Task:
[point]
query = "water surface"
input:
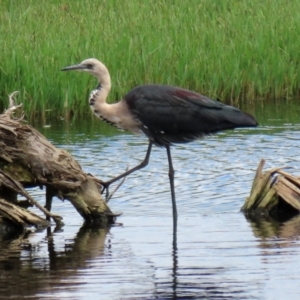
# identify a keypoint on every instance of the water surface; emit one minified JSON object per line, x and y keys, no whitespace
{"x":219,"y":254}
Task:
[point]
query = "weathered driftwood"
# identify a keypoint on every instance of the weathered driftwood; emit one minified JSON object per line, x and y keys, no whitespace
{"x":27,"y":159}
{"x":273,"y":190}
{"x":20,"y":216}
{"x":8,"y":183}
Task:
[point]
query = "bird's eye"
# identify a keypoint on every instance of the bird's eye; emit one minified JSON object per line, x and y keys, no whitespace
{"x":89,"y":66}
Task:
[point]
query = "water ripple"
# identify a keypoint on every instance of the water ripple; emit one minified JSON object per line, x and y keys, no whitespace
{"x":219,"y":254}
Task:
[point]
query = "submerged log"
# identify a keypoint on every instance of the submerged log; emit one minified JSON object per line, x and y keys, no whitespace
{"x":28,"y":159}
{"x":273,"y":192}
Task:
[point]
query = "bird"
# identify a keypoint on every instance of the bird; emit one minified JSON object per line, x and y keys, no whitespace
{"x":166,"y":114}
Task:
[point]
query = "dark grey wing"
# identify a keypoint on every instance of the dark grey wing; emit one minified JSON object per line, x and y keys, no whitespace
{"x":174,"y":115}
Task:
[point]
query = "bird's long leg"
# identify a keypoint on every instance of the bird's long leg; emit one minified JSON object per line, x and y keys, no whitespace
{"x":171,"y":176}
{"x":49,"y":196}
{"x":143,"y":164}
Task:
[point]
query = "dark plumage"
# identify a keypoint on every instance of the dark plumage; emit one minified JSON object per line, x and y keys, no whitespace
{"x":171,"y":115}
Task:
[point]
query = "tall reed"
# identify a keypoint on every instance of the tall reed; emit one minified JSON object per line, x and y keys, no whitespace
{"x":233,"y":50}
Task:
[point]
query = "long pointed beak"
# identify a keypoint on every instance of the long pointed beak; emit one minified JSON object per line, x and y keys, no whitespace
{"x":74,"y":67}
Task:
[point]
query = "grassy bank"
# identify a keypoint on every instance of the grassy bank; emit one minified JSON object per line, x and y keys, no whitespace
{"x":233,"y":50}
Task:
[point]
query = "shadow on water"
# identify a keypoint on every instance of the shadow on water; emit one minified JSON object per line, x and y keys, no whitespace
{"x":267,"y":228}
{"x":36,"y":269}
{"x":41,"y":272}
{"x":205,"y":287}
{"x":271,"y":234}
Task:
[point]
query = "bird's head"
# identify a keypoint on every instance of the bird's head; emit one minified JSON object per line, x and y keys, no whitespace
{"x":92,"y":66}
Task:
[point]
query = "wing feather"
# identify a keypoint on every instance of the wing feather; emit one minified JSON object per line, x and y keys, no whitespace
{"x":178,"y":115}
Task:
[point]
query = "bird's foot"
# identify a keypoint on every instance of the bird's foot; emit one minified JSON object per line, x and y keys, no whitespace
{"x":105,"y":188}
{"x":106,"y":185}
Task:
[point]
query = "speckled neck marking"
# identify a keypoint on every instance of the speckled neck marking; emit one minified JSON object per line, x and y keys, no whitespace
{"x":93,"y":95}
{"x":92,"y":99}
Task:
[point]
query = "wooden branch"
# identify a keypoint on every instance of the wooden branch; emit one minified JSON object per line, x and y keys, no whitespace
{"x":20,"y":216}
{"x":8,"y":182}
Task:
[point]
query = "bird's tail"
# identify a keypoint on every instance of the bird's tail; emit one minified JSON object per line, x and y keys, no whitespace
{"x":245,"y":120}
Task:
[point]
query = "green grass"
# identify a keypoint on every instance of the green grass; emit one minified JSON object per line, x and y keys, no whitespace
{"x":235,"y":50}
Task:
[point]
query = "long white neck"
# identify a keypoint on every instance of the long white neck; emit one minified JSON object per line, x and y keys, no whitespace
{"x":100,"y":94}
{"x":97,"y":99}
{"x":116,"y":114}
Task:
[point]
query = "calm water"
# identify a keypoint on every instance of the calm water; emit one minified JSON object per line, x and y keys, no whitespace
{"x":219,"y":254}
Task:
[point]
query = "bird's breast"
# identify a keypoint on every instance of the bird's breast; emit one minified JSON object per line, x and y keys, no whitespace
{"x":116,"y":114}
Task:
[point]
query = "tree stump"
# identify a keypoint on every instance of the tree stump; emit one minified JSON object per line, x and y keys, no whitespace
{"x":28,"y":159}
{"x":274,"y":192}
